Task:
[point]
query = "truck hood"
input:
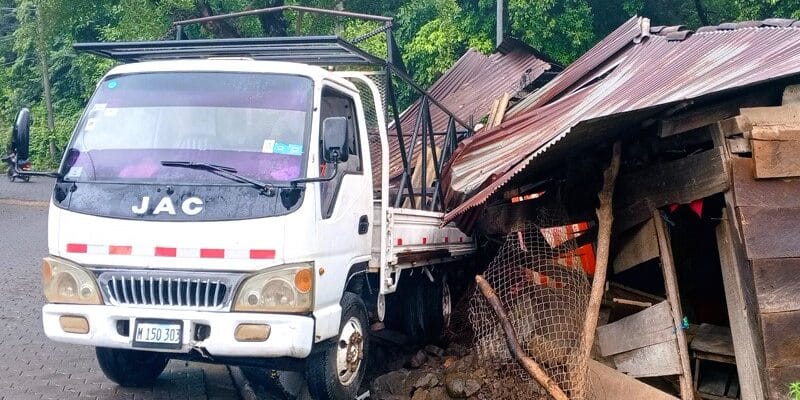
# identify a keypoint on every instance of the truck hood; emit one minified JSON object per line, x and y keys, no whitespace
{"x":238,"y":245}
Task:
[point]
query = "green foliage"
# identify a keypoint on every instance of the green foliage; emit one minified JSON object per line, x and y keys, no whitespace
{"x":432,"y":35}
{"x":794,"y":390}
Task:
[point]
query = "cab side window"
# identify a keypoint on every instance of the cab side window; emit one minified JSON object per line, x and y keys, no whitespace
{"x":337,"y":104}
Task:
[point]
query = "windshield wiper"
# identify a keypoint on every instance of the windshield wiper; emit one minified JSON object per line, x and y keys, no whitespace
{"x":225,"y":172}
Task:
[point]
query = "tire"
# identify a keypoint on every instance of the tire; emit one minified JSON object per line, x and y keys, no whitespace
{"x":131,"y":368}
{"x":25,"y":179}
{"x":427,"y":307}
{"x":327,"y":372}
{"x":10,"y":174}
{"x":284,"y":385}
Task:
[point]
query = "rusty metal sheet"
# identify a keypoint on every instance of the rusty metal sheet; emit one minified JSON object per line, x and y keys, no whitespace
{"x":646,"y":75}
{"x":468,"y":89}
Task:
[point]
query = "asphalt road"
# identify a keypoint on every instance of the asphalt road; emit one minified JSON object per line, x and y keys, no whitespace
{"x":33,"y":367}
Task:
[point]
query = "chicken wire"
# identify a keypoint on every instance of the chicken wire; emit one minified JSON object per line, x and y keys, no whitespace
{"x":541,"y":282}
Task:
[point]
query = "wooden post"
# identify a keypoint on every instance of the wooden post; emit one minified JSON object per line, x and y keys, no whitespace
{"x":531,"y":367}
{"x":674,"y":299}
{"x":605,"y":220}
{"x":737,"y":278}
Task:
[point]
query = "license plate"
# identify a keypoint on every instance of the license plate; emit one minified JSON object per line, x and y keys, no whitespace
{"x":157,"y":333}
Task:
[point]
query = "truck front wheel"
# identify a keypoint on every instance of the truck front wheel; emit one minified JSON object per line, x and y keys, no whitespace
{"x":131,"y":368}
{"x":335,"y":371}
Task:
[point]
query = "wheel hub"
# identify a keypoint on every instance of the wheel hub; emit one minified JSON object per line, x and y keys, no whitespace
{"x":350,"y":351}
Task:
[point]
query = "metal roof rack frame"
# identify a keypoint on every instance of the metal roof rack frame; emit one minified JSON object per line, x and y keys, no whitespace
{"x":321,"y":51}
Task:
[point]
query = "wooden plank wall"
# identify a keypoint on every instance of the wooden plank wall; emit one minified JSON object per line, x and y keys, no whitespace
{"x":768,"y":211}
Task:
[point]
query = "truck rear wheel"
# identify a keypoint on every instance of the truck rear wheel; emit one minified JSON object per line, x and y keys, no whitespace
{"x":335,"y":372}
{"x":131,"y":368}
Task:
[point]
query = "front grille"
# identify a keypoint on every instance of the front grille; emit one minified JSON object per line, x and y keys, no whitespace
{"x":182,"y":290}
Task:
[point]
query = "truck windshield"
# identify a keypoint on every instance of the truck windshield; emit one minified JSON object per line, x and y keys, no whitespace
{"x":256,"y":123}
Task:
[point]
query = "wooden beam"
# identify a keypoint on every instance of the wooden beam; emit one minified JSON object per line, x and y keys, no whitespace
{"x":791,"y":94}
{"x":680,"y":181}
{"x":774,"y":132}
{"x":674,"y":299}
{"x":781,"y":338}
{"x":748,"y":191}
{"x":770,"y":232}
{"x":776,"y":159}
{"x":650,"y":326}
{"x":779,"y":380}
{"x":777,"y":283}
{"x":781,"y":115}
{"x":742,"y":310}
{"x":638,"y":245}
{"x":660,"y":359}
{"x":609,"y":384}
{"x":707,"y":115}
{"x":739,"y":145}
{"x":737,"y":125}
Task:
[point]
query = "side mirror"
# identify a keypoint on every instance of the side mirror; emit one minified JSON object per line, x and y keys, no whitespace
{"x":20,"y":141}
{"x":335,"y":139}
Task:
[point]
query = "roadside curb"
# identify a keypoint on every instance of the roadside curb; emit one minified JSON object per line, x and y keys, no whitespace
{"x":246,"y":391}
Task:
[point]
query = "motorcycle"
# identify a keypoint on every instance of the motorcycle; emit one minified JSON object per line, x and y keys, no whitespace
{"x":15,"y":165}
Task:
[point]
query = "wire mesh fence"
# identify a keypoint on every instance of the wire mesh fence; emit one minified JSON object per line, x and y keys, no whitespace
{"x":539,"y":275}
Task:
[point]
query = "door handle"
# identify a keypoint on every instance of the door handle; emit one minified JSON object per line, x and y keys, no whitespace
{"x":363,"y":225}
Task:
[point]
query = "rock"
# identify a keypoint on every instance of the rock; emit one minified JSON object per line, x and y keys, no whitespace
{"x":427,"y":381}
{"x":418,"y":359}
{"x":390,"y":384}
{"x":455,"y":384}
{"x":421,"y":394}
{"x":434,"y":350}
{"x":471,"y":387}
{"x":438,"y":393}
{"x":448,"y":362}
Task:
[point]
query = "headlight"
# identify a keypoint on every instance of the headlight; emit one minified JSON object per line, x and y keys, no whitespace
{"x":284,"y":289}
{"x":65,"y":282}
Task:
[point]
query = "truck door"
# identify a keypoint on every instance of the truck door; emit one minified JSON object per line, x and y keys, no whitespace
{"x":345,"y":203}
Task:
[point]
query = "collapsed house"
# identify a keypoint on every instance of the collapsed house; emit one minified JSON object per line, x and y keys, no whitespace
{"x":702,"y":296}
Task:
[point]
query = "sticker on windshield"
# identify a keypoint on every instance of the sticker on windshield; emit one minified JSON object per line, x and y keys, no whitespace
{"x":288,"y":149}
{"x":74,"y":172}
{"x":269,"y":146}
{"x":112,"y":84}
{"x":91,"y":123}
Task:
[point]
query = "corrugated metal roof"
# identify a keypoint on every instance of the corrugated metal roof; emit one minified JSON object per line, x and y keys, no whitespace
{"x":647,"y":73}
{"x":468,"y":89}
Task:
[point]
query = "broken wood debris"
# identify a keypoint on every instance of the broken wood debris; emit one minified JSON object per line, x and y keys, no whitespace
{"x":530,"y":366}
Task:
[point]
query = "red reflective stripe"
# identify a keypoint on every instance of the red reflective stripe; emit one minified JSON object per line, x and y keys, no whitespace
{"x":262,"y":254}
{"x":166,"y":252}
{"x":212,"y":253}
{"x":424,"y":240}
{"x":120,"y":250}
{"x":461,"y":239}
{"x":76,"y":248}
{"x":446,"y":239}
{"x":399,"y":241}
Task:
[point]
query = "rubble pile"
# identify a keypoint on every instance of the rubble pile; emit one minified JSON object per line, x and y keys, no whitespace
{"x":434,"y":373}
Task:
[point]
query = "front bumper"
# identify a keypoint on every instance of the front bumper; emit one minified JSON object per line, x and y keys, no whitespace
{"x":291,"y":335}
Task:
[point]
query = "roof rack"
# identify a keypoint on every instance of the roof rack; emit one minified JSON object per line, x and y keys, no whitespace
{"x":315,"y":50}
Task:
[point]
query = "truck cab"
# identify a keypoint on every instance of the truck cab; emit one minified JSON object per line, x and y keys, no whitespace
{"x":154,"y":241}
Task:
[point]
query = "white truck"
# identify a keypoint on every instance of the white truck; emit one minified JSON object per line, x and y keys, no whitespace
{"x":219,"y":207}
